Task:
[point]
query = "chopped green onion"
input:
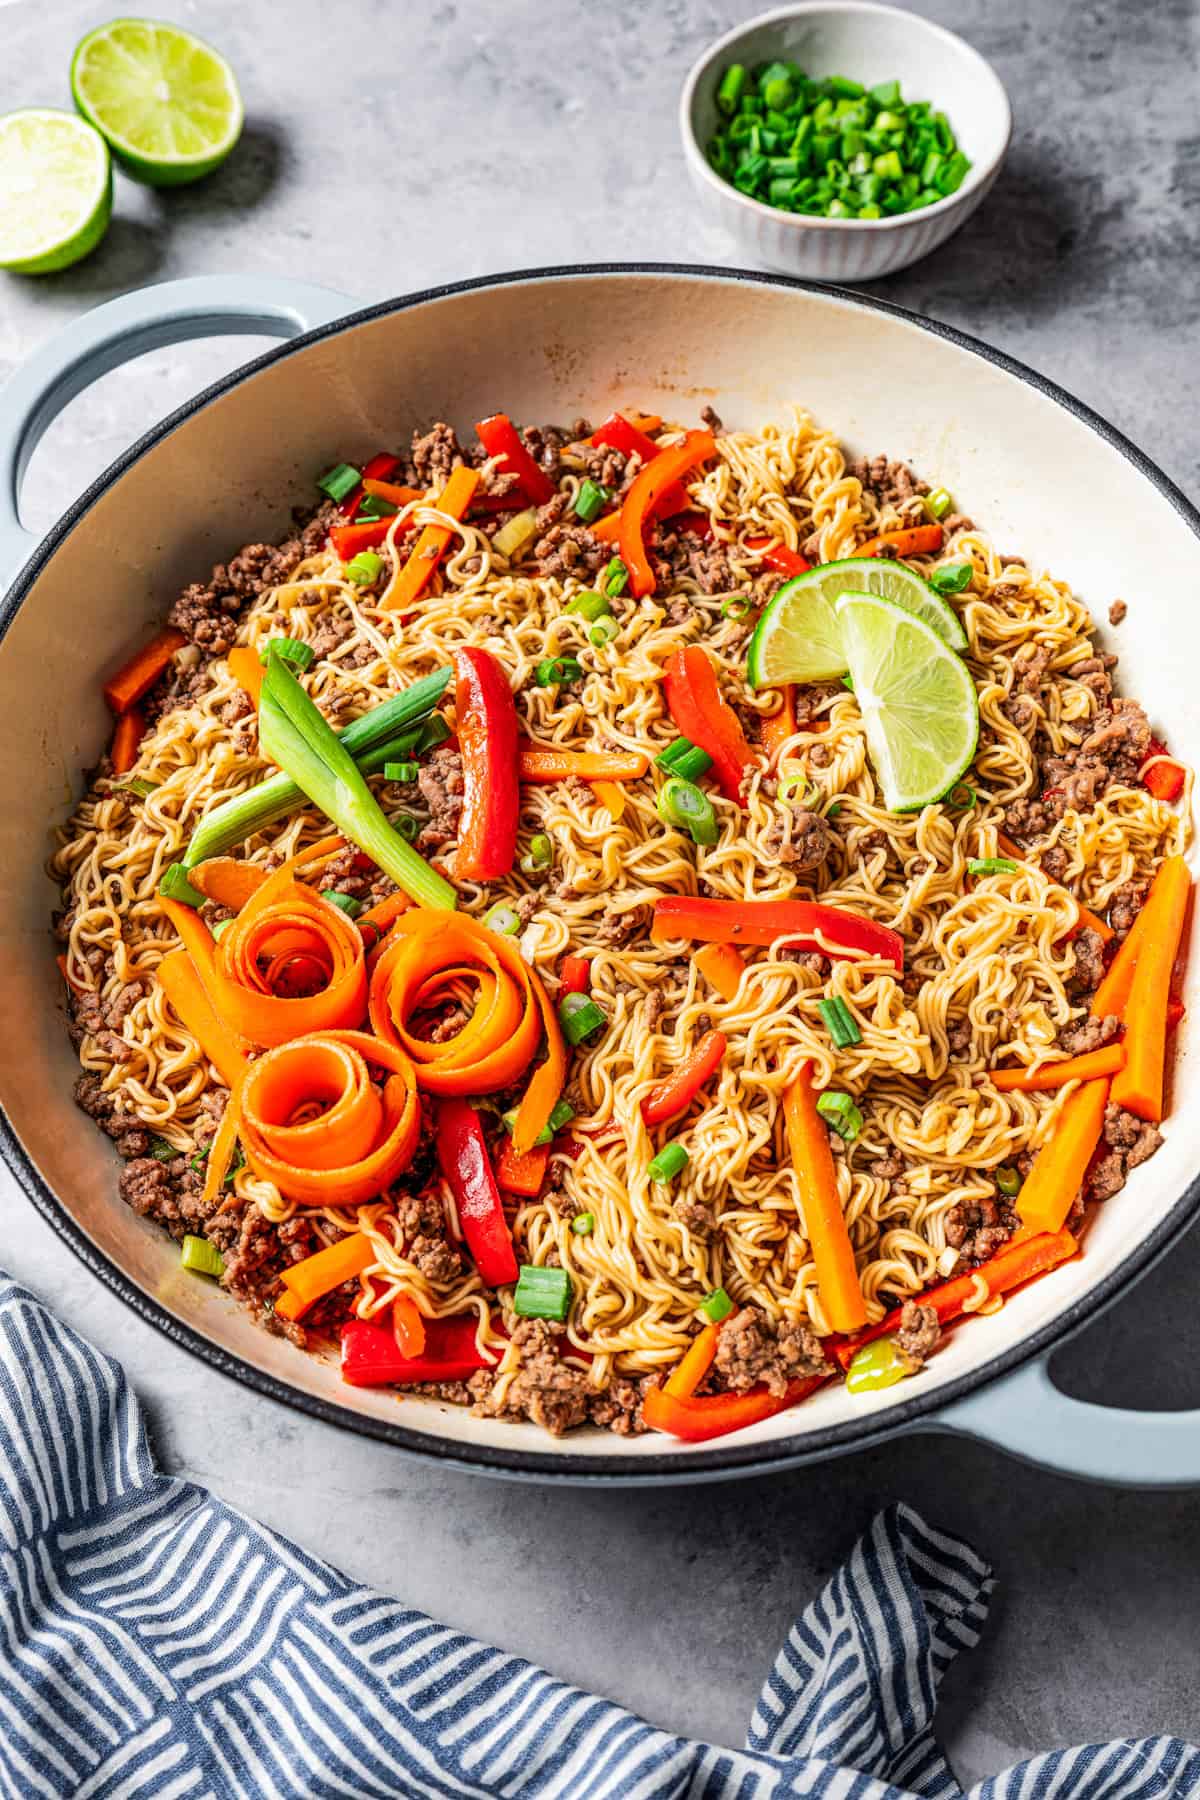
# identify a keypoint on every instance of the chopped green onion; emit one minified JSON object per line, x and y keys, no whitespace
{"x":372,"y":508}
{"x":364,"y":568}
{"x":886,"y":94}
{"x":991,"y":865}
{"x":292,"y":650}
{"x":589,"y":603}
{"x":294,"y":734}
{"x":839,"y":1110}
{"x":716,"y":1306}
{"x":201,"y":1257}
{"x":135,"y":785}
{"x":688,"y":808}
{"x":953,"y":578}
{"x":730,"y":89}
{"x":516,"y":533}
{"x":938,"y":504}
{"x":685,"y":760}
{"x":671,"y":1161}
{"x":831,"y":812}
{"x":848,"y":682}
{"x":562,"y":1115}
{"x":542,"y":1293}
{"x":798,"y":790}
{"x":603,"y":631}
{"x":736,"y":607}
{"x":539,"y":855}
{"x":840,"y":1022}
{"x":1008,"y":1180}
{"x":340,"y":481}
{"x":583,"y":1224}
{"x":591,"y":500}
{"x":555,"y":669}
{"x":408,"y":827}
{"x":579,"y":1016}
{"x":348,"y":904}
{"x":877,"y":1365}
{"x":176,"y":886}
{"x":162,"y":1151}
{"x":962,"y":796}
{"x":615,"y":578}
{"x":221,"y":927}
{"x":677,"y":749}
{"x":404,"y":772}
{"x":503,"y":919}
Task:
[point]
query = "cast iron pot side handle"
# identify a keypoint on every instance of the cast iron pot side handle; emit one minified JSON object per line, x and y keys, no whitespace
{"x":1027,"y":1416}
{"x":149,"y":318}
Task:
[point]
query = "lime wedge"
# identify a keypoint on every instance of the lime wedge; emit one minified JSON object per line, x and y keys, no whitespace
{"x":918,"y":702}
{"x":55,"y":190}
{"x":798,"y":639}
{"x":167,"y":103}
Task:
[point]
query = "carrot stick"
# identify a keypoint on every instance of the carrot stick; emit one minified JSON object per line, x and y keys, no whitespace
{"x":306,"y":1281}
{"x":694,"y":1364}
{"x":612,"y":795}
{"x":1105,"y":1061}
{"x":832,"y":1252}
{"x":408,"y":1322}
{"x":781,"y":725}
{"x":523,"y":1174}
{"x":1062,"y":1162}
{"x":1139,"y":1085}
{"x":1092,"y":921}
{"x":911,"y":540}
{"x":183,"y":987}
{"x":377,"y":921}
{"x":722,"y":966}
{"x":399,"y":496}
{"x":142,"y":670}
{"x":247,"y":670}
{"x":410,"y":582}
{"x":541,"y":763}
{"x":607,"y":528}
{"x":220,"y":1154}
{"x":1113,"y":992}
{"x":131,"y":729}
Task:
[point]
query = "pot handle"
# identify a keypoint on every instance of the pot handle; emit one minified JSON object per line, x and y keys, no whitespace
{"x":100,"y":340}
{"x":1027,"y":1416}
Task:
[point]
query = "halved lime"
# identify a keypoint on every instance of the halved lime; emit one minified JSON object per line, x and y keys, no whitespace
{"x":55,"y":190}
{"x":797,"y":638}
{"x":918,"y":702}
{"x":167,"y":102}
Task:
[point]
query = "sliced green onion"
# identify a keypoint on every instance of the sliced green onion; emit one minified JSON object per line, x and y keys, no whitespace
{"x":688,"y":808}
{"x":736,"y":607}
{"x":831,"y":812}
{"x":364,"y":568}
{"x":348,"y":904}
{"x":603,"y":631}
{"x":589,"y":603}
{"x":135,"y":785}
{"x":292,"y":650}
{"x":201,"y":1257}
{"x":671,"y":1161}
{"x":591,"y":500}
{"x":683,"y":758}
{"x":730,"y":89}
{"x":838,"y":1109}
{"x":434,"y":731}
{"x":583,"y":1224}
{"x":716,"y":1306}
{"x":848,"y":682}
{"x":562,"y":1115}
{"x":579,"y":1016}
{"x":542,"y":1293}
{"x":340,"y":481}
{"x":877,"y":1365}
{"x":516,"y":533}
{"x":991,"y":865}
{"x":162,"y":1151}
{"x":555,"y":669}
{"x":840,"y":1022}
{"x":221,"y":927}
{"x":798,"y":790}
{"x":294,"y":734}
{"x":1008,"y":1180}
{"x":938,"y":503}
{"x":176,"y":886}
{"x":962,"y":796}
{"x":615,"y":578}
{"x":372,"y":508}
{"x":539,"y":855}
{"x":404,"y":772}
{"x":953,"y":578}
{"x":503,"y":919}
{"x":408,"y":826}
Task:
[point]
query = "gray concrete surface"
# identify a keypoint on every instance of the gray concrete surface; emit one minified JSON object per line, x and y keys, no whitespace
{"x":552,"y":130}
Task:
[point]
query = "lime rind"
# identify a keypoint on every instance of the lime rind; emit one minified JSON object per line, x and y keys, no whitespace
{"x":919,"y":706}
{"x":166,"y":102}
{"x":55,"y":190}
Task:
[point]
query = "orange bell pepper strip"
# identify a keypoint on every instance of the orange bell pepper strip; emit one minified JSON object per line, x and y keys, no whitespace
{"x":671,"y":1098}
{"x":247,"y":669}
{"x":314,"y":1123}
{"x":1138,"y":1087}
{"x":410,"y":582}
{"x":910,"y":540}
{"x":716,"y":1415}
{"x":317,"y":1275}
{"x":779,"y":726}
{"x":408,"y":1323}
{"x":722,"y":966}
{"x":523,"y":1174}
{"x":648,"y":488}
{"x":123,"y":751}
{"x":838,"y":1284}
{"x":1108,"y":1060}
{"x":143,"y":669}
{"x":543,"y":764}
{"x":610,"y":794}
{"x":694,"y":1364}
{"x":179,"y":981}
{"x":1060,"y":1166}
{"x":399,"y":497}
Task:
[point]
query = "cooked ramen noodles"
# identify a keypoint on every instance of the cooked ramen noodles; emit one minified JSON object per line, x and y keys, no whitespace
{"x":501,"y":961}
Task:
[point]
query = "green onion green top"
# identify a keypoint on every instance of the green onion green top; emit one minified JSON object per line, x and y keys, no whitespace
{"x":292,"y":650}
{"x":671,"y":1161}
{"x":579,"y":1016}
{"x":716,"y":1306}
{"x":991,"y":865}
{"x":346,"y":902}
{"x":542,"y":1293}
{"x":339,"y":481}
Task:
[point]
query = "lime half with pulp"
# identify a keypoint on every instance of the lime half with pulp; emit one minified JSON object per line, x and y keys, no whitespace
{"x":167,"y":103}
{"x":798,"y":638}
{"x":55,"y":190}
{"x":918,"y":702}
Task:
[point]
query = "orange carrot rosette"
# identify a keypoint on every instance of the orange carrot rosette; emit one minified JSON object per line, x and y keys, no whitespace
{"x":424,"y":955}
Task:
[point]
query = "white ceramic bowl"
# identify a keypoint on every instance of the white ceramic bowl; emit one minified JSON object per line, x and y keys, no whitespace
{"x":869,"y":43}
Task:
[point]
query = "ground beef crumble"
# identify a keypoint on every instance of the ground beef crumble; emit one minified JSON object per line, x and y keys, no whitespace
{"x":919,"y":1333}
{"x":806,"y":845}
{"x":890,"y":483}
{"x":1126,"y":1141}
{"x":978,"y":1228}
{"x":207,"y":612}
{"x":753,"y":1348}
{"x":546,"y":1390}
{"x":441,"y":783}
{"x":1083,"y":1035}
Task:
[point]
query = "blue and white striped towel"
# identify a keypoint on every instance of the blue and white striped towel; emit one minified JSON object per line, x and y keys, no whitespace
{"x":126,"y":1672}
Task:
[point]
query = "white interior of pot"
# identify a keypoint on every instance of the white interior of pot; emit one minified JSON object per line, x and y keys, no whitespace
{"x":1038,"y":478}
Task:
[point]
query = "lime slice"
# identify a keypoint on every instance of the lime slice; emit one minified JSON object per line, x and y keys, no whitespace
{"x":797,"y":638}
{"x":55,"y":190}
{"x":918,"y":702}
{"x":167,"y":103}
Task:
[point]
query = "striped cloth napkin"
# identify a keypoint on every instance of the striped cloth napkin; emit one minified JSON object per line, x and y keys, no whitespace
{"x":156,"y":1643}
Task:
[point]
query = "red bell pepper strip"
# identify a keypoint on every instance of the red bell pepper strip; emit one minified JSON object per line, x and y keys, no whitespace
{"x":909,"y":540}
{"x":716,"y":1415}
{"x":646,"y":494}
{"x":778,"y":556}
{"x":617,"y":433}
{"x":844,"y":934}
{"x":348,"y":540}
{"x":464,"y":1161}
{"x":371,"y":1357}
{"x":487,"y":740}
{"x":524,"y":1174}
{"x":696,"y":524}
{"x":379,"y":468}
{"x":1163,"y":779}
{"x":498,"y":435}
{"x":575,"y":975}
{"x":694,"y":702}
{"x":670,"y":1098}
